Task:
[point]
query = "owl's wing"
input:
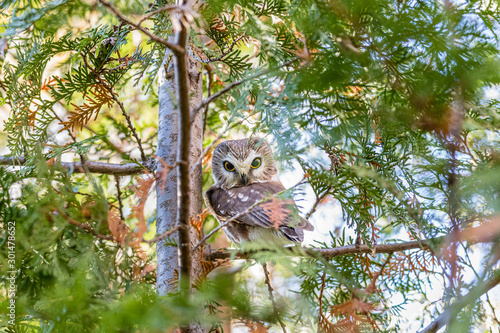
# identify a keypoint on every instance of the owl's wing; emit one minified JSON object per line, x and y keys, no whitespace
{"x":227,"y":203}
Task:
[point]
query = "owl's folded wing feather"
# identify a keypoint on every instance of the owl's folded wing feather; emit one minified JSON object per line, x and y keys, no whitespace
{"x":278,"y":213}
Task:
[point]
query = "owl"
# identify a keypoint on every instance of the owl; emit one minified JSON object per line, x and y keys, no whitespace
{"x":244,"y":172}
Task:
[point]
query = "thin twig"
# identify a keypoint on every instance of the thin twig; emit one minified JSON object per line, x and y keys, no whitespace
{"x":175,"y":48}
{"x":119,"y":197}
{"x":240,"y":214}
{"x":167,"y":8}
{"x":379,"y":273}
{"x":235,"y":84}
{"x":271,"y":296}
{"x":224,"y":53}
{"x":93,"y":167}
{"x":451,"y":312}
{"x":320,"y":299}
{"x":493,"y":311}
{"x":318,"y":201}
{"x":108,"y":87}
{"x":88,"y":229}
{"x":105,"y":139}
{"x":162,"y":236}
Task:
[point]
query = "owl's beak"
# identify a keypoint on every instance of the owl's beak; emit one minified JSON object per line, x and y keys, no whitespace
{"x":244,"y":179}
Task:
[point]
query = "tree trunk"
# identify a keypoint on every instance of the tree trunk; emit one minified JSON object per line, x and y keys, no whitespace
{"x":166,"y":189}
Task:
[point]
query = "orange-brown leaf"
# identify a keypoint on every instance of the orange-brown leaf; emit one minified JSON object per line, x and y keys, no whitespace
{"x":117,"y":228}
{"x":197,"y":221}
{"x":161,"y":176}
{"x":141,"y":190}
{"x":48,"y":83}
{"x":98,"y":97}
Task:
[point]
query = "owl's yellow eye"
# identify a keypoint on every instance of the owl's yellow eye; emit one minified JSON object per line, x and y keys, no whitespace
{"x":228,"y":166}
{"x":256,"y":163}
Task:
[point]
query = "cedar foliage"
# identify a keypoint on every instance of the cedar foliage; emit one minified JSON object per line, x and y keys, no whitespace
{"x":385,"y":110}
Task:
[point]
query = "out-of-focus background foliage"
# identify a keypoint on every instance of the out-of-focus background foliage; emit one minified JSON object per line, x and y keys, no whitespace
{"x":390,"y":108}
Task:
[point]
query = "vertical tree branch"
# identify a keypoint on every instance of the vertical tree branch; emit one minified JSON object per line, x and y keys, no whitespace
{"x":271,"y":296}
{"x":184,"y":130}
{"x":169,"y":257}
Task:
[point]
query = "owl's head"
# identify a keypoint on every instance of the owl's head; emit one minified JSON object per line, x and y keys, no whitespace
{"x":243,"y":162}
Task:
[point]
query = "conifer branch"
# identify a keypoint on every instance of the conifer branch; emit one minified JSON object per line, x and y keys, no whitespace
{"x":224,"y":53}
{"x":167,"y":8}
{"x":319,"y":199}
{"x":85,"y":227}
{"x":451,"y":312}
{"x":175,"y":48}
{"x":127,"y":118}
{"x":235,"y":84}
{"x":93,"y":167}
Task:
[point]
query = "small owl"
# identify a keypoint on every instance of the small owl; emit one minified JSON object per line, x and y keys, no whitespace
{"x":245,"y":172}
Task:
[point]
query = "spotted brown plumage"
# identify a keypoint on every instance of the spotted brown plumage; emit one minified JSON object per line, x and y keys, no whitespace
{"x":245,"y":173}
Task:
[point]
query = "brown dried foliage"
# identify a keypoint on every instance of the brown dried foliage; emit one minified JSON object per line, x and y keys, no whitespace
{"x":98,"y":96}
{"x":141,"y":190}
{"x":173,"y":282}
{"x":197,"y":222}
{"x":117,"y":228}
{"x":352,"y":316}
{"x":161,"y":176}
{"x":206,"y":266}
{"x":415,"y":261}
{"x":355,"y":314}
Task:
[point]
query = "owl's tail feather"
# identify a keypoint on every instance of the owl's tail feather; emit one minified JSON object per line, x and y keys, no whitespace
{"x":293,"y":233}
{"x":304,"y":224}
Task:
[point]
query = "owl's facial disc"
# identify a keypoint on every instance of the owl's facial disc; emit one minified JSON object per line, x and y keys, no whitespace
{"x":235,"y":171}
{"x":243,"y":162}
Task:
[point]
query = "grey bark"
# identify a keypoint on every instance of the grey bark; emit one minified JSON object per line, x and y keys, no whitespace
{"x":168,"y":256}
